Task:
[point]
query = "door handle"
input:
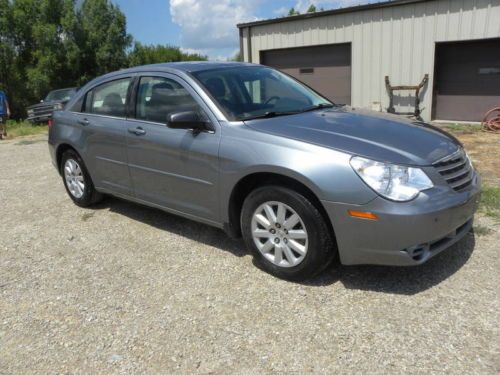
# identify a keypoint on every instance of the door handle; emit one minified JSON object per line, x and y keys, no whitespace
{"x":137,"y":131}
{"x":84,"y":122}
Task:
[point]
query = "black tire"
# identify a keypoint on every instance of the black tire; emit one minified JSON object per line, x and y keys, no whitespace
{"x":90,"y":194}
{"x":321,"y":248}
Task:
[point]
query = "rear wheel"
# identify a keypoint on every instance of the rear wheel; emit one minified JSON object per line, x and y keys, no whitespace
{"x":77,"y":180}
{"x":286,"y":233}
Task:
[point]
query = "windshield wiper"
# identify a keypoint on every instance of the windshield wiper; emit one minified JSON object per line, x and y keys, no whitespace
{"x":318,"y":106}
{"x":286,"y":113}
{"x":271,"y":114}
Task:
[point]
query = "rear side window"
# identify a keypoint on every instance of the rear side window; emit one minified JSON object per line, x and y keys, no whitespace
{"x":157,"y":97}
{"x":108,"y":99}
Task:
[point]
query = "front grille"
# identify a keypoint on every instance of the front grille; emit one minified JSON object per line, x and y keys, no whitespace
{"x":456,"y":170}
{"x":45,"y":110}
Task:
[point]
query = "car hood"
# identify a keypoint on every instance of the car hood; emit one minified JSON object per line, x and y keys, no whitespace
{"x":375,"y":135}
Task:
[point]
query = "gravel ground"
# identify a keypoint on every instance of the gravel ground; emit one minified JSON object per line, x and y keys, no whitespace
{"x":122,"y":288}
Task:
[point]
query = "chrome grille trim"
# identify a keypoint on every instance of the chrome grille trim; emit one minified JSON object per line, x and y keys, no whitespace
{"x":459,"y":185}
{"x":43,"y":110}
{"x":464,"y":169}
{"x":456,"y":169}
{"x":449,"y":167}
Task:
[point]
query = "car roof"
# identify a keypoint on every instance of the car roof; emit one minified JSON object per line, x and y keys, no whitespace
{"x":186,"y":66}
{"x":64,"y":89}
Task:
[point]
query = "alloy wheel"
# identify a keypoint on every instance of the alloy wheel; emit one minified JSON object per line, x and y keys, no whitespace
{"x":73,"y":176}
{"x":280,"y":234}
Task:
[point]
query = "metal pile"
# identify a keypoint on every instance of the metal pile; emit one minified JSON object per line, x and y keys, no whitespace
{"x":491,"y":121}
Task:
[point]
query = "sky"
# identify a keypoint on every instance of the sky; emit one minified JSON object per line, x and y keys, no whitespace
{"x":205,"y":26}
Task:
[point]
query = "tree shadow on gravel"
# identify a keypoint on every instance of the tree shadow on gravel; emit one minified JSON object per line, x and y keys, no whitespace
{"x":401,"y":280}
{"x":174,"y":224}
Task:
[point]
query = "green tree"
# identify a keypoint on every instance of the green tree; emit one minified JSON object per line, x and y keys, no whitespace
{"x":237,"y":57}
{"x":311,"y":9}
{"x":50,"y":44}
{"x":103,"y":38}
{"x":293,"y":12}
{"x":9,"y":70}
{"x":49,"y":66}
{"x":152,"y":54}
{"x":33,"y":47}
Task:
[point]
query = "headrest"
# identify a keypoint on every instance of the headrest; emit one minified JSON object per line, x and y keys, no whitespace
{"x":216,"y":87}
{"x":159,"y":91}
{"x":112,"y":100}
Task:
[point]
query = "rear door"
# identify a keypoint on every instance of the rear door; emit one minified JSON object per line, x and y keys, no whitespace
{"x":103,"y":125}
{"x":172,"y":168}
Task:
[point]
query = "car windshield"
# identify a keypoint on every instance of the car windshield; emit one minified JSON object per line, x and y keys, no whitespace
{"x":62,"y":95}
{"x":249,"y":92}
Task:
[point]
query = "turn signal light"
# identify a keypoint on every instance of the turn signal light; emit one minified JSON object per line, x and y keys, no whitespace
{"x":363,"y":215}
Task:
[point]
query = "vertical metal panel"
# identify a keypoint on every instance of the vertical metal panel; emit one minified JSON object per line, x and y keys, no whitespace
{"x":398,"y":41}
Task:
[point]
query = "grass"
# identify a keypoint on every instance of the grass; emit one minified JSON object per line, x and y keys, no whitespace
{"x":481,"y":230}
{"x":460,"y":128}
{"x":490,"y":201}
{"x":23,"y":128}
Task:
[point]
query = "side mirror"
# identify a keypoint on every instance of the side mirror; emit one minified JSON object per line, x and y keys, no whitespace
{"x":186,"y":120}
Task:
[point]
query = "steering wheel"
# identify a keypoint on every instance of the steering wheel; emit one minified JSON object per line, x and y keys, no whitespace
{"x":272,"y":98}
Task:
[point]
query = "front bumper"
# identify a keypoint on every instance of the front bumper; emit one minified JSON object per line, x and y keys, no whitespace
{"x":38,"y":119}
{"x":405,"y":234}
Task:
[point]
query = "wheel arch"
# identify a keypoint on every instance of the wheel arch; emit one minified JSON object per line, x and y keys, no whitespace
{"x":60,"y":150}
{"x":251,"y":181}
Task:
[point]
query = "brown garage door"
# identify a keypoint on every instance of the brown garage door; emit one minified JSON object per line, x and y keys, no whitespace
{"x":327,"y":69}
{"x":467,"y":80}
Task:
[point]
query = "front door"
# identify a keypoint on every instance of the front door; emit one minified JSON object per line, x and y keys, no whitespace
{"x":172,"y":168}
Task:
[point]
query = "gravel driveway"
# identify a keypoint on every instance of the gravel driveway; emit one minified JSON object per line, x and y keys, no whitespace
{"x":127,"y":289}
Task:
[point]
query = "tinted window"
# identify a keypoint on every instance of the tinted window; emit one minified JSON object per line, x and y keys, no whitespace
{"x":249,"y":91}
{"x":158,"y":97}
{"x":108,"y":99}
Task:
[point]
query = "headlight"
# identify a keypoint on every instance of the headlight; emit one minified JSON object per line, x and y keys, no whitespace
{"x":391,"y":181}
{"x":58,"y":106}
{"x":31,"y":112}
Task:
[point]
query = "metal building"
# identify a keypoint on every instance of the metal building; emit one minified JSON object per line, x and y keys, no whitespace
{"x":346,"y":53}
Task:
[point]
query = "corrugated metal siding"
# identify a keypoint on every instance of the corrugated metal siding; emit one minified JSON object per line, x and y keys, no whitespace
{"x":397,"y":41}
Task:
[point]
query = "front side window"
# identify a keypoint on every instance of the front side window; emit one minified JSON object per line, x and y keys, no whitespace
{"x":246,"y":92}
{"x":158,"y":97}
{"x":108,"y":99}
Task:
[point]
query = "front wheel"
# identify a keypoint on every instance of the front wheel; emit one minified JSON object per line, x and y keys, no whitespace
{"x":286,"y":233}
